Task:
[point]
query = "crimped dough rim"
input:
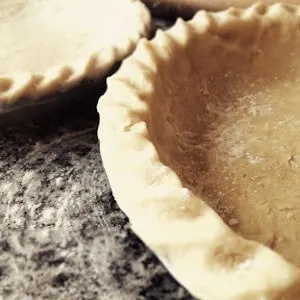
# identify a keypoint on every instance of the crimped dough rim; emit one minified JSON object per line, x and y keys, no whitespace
{"x":150,"y":193}
{"x":21,"y":88}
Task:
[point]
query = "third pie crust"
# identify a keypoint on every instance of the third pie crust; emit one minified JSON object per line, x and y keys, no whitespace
{"x":200,"y":138}
{"x":50,"y":46}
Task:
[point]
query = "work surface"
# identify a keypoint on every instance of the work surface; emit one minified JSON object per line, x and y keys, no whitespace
{"x":62,"y":235}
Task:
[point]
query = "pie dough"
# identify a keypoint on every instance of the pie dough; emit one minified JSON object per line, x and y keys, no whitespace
{"x":50,"y":46}
{"x":200,"y":138}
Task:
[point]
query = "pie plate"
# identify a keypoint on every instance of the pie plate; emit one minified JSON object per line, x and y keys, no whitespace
{"x":200,"y":138}
{"x":50,"y":46}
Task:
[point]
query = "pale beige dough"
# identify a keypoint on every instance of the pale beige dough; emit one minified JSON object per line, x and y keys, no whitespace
{"x":249,"y":154}
{"x":200,"y":138}
{"x":254,"y":169}
{"x":62,"y":42}
{"x":71,"y":28}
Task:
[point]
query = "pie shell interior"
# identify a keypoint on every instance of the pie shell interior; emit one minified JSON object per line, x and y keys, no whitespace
{"x":51,"y":46}
{"x":189,"y":142}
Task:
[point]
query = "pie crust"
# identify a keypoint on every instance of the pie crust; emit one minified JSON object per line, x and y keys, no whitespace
{"x":50,"y":46}
{"x":199,"y":135}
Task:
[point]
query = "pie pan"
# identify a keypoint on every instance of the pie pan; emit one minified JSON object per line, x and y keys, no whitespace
{"x":199,"y":135}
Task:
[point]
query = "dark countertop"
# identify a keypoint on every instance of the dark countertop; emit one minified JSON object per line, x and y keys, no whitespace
{"x":62,"y":235}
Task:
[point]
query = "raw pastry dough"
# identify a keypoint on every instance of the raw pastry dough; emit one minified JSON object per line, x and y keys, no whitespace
{"x":49,"y":46}
{"x":200,"y":138}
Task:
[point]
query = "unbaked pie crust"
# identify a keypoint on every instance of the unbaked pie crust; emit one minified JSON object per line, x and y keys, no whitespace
{"x":50,"y":46}
{"x":200,"y":138}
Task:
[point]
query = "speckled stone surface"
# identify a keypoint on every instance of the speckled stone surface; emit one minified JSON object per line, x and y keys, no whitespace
{"x":62,"y":235}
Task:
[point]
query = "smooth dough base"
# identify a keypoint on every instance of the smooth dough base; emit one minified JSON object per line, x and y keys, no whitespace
{"x":239,"y":148}
{"x":251,"y":168}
